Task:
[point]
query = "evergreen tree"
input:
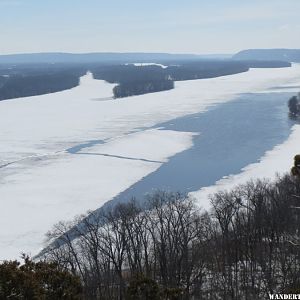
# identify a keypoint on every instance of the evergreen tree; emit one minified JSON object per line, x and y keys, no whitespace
{"x":41,"y":280}
{"x":294,"y":105}
{"x":296,"y":168}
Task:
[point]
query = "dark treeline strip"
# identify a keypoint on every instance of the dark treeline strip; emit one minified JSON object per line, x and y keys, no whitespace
{"x":35,"y":79}
{"x":267,"y":64}
{"x":135,"y":80}
{"x":19,"y":86}
{"x":246,"y":246}
{"x":142,"y":87}
{"x":128,"y":73}
{"x":32,"y":80}
{"x":205,"y":69}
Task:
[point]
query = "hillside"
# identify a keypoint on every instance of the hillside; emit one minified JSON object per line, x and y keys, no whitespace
{"x":290,"y":55}
{"x":104,"y":57}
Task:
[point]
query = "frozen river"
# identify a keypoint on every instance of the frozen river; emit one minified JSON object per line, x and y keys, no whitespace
{"x":229,"y":137}
{"x":64,"y":153}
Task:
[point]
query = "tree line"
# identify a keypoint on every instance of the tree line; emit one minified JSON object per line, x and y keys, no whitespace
{"x":25,"y":80}
{"x":33,"y":80}
{"x":246,"y":246}
{"x":142,"y":87}
{"x":137,"y":80}
{"x":294,"y":105}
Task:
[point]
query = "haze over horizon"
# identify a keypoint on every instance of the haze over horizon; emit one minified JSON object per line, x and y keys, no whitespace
{"x":193,"y":26}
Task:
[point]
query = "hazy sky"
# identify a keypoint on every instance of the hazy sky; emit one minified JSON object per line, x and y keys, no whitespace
{"x":176,"y":26}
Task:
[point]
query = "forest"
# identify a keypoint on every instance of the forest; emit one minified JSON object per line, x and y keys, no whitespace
{"x":31,"y":80}
{"x":245,"y":247}
{"x":23,"y":80}
{"x":294,"y":106}
{"x":137,"y":80}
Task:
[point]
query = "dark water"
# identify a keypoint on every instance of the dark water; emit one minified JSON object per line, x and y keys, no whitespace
{"x":76,"y":149}
{"x":231,"y":136}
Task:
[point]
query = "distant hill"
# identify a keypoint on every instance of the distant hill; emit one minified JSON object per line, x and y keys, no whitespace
{"x":287,"y":55}
{"x":100,"y":57}
{"x":290,"y":55}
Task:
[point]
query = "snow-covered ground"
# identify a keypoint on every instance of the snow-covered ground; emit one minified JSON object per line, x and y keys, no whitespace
{"x":42,"y":181}
{"x":148,"y":64}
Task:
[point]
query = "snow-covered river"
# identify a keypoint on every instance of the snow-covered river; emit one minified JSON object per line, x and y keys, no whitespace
{"x":65,"y":153}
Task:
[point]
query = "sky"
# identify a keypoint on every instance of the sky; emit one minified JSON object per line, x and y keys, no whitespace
{"x":174,"y":26}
